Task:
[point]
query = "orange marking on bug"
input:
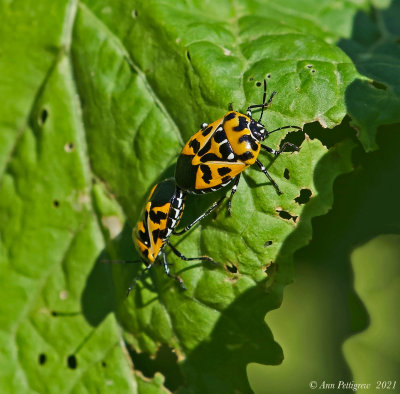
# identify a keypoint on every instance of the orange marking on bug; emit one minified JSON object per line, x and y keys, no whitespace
{"x":240,"y":147}
{"x":200,"y":138}
{"x":151,"y":193}
{"x":140,"y":227}
{"x":216,"y":178}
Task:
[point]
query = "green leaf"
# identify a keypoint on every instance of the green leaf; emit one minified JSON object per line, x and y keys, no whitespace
{"x":368,"y":32}
{"x":50,"y":235}
{"x":374,"y":99}
{"x":109,"y":97}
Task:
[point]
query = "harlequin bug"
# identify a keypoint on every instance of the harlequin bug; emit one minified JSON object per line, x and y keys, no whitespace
{"x":218,"y":153}
{"x":160,"y":216}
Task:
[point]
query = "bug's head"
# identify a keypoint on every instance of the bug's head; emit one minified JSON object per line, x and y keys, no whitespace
{"x":257,"y":130}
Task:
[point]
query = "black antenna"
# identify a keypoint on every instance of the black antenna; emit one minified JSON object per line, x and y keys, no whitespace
{"x":284,"y":127}
{"x":264,"y":104}
{"x":264,"y":98}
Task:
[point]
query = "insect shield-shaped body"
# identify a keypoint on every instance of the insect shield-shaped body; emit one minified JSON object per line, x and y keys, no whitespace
{"x":159,"y":218}
{"x":218,"y":153}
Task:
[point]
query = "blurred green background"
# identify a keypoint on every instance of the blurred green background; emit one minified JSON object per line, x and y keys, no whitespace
{"x":345,"y":298}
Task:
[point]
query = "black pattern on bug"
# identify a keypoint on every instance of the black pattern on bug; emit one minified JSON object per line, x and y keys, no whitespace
{"x":207,"y":131}
{"x":242,"y":124}
{"x":207,"y":176}
{"x":205,"y":148}
{"x":250,"y":140}
{"x":224,"y":170}
{"x":195,"y":145}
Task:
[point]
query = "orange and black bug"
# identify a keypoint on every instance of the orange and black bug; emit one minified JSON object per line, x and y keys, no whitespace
{"x":218,"y":153}
{"x":160,"y":216}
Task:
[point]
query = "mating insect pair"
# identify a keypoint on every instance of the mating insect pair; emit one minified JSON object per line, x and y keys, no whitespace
{"x":214,"y":157}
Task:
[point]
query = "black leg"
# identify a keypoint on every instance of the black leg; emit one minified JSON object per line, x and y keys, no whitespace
{"x":138,"y":277}
{"x":167,"y":271}
{"x":182,"y":257}
{"x":230,"y":107}
{"x":264,"y":170}
{"x":209,"y":210}
{"x":278,"y":152}
{"x":262,"y":105}
{"x":233,"y":191}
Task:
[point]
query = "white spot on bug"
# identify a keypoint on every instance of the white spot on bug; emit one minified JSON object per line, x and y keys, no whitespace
{"x":231,"y":156}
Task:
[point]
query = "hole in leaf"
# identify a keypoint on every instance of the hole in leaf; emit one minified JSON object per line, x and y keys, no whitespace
{"x":270,"y":268}
{"x":57,"y":314}
{"x":231,"y":268}
{"x":313,"y":71}
{"x":43,"y":116}
{"x":165,"y":362}
{"x":56,"y":203}
{"x":188,"y":56}
{"x":72,"y":362}
{"x":251,"y":79}
{"x":295,"y":137}
{"x":69,"y":147}
{"x":304,"y":196}
{"x":286,"y":215}
{"x":309,"y":66}
{"x":286,"y":173}
{"x":258,"y":84}
{"x":134,"y":14}
{"x":267,"y":243}
{"x":103,"y":364}
{"x":268,"y":76}
{"x":378,"y":85}
{"x":329,"y":137}
{"x":42,"y":358}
